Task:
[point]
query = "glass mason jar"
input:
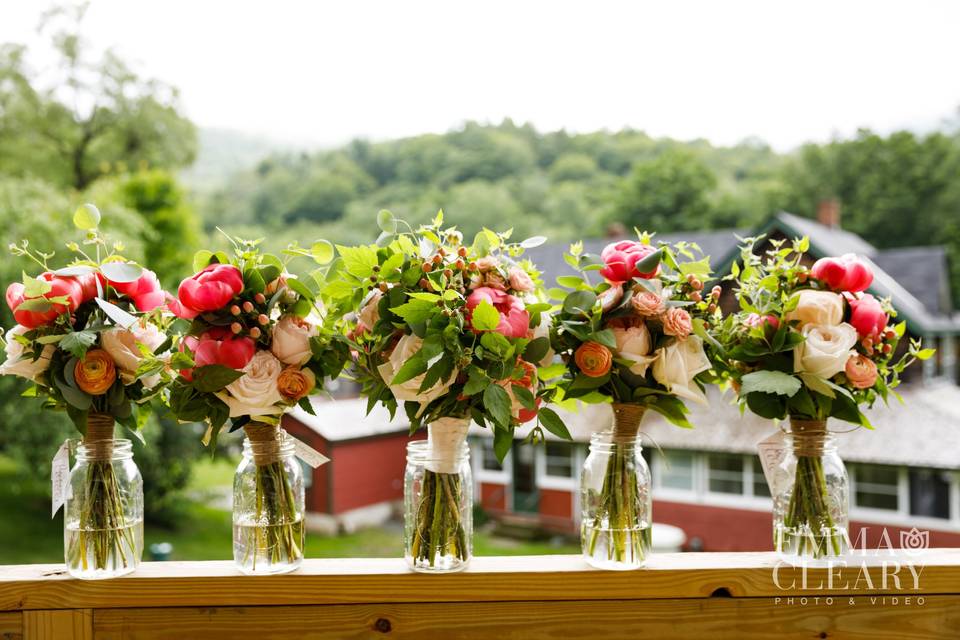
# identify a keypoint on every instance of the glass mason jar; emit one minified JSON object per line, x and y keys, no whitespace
{"x":268,"y":504}
{"x":616,"y":517}
{"x":437,"y":509}
{"x":103,"y":514}
{"x":810,"y":496}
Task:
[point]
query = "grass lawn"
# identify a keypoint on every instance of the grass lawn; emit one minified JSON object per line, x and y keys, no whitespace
{"x":27,"y":534}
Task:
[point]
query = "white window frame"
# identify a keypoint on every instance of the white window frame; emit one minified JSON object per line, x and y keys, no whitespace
{"x":658,"y":468}
{"x":490,"y":476}
{"x":560,"y":483}
{"x":902,"y":517}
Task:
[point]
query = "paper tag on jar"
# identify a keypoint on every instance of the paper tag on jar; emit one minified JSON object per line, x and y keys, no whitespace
{"x":60,"y":477}
{"x":772,"y":451}
{"x":308,"y":454}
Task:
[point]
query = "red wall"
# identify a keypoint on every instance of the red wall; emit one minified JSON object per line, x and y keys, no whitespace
{"x":493,"y":497}
{"x":726,"y":529}
{"x":369,"y":471}
{"x":556,"y":509}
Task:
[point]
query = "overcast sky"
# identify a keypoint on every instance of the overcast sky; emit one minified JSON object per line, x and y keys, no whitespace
{"x":323,"y":72}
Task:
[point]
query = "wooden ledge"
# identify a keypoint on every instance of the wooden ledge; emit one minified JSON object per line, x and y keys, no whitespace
{"x":489,"y":579}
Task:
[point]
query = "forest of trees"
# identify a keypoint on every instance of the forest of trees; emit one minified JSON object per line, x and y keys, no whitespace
{"x":101,"y":133}
{"x":900,"y":189}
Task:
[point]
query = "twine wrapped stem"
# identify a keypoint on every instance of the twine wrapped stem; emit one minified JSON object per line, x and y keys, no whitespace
{"x":809,"y":437}
{"x":98,"y":439}
{"x":264,"y":442}
{"x":626,"y":421}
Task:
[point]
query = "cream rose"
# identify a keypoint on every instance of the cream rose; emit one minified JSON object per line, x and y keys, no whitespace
{"x":406,"y":348}
{"x":17,"y":364}
{"x":291,"y":340}
{"x":255,"y":393}
{"x":825,"y":350}
{"x":121,"y":344}
{"x":817,"y":307}
{"x":370,"y":313}
{"x":633,"y":344}
{"x":678,"y":364}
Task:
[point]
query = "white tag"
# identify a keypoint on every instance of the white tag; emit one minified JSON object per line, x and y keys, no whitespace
{"x":60,"y":477}
{"x":308,"y":454}
{"x":772,"y":451}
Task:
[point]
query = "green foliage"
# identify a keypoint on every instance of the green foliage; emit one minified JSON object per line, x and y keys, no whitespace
{"x":99,"y":118}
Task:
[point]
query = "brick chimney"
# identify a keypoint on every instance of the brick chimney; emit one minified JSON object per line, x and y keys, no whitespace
{"x":828,"y":213}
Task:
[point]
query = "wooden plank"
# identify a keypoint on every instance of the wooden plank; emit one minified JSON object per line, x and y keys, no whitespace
{"x":11,"y":625}
{"x":74,"y":624}
{"x":357,"y":581}
{"x":938,"y":617}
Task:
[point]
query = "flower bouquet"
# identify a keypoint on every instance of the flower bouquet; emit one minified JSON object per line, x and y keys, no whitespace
{"x":255,"y":348}
{"x":84,"y":334}
{"x":809,"y":344}
{"x":630,"y":339}
{"x":453,"y":332}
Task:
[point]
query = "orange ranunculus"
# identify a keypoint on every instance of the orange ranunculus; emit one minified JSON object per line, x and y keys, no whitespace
{"x":95,"y":373}
{"x":295,"y":383}
{"x":593,"y":359}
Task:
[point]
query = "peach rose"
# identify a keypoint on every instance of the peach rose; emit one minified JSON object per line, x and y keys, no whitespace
{"x":648,"y":304}
{"x":610,"y":298}
{"x":122,"y":345}
{"x":291,"y":340}
{"x":593,"y":359}
{"x":19,"y":365}
{"x":817,"y":307}
{"x":520,"y":280}
{"x":677,"y":323}
{"x":95,"y":373}
{"x":633,"y":344}
{"x":408,"y":346}
{"x":370,"y":313}
{"x":294,"y":383}
{"x":486,"y":263}
{"x":861,"y":372}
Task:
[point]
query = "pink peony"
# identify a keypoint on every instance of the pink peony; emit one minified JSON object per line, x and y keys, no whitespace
{"x":67,"y":286}
{"x":514,"y":319}
{"x":219,"y":346}
{"x":846,"y":273}
{"x":621,"y":259}
{"x":146,"y":292}
{"x":209,"y":290}
{"x":866,"y":315}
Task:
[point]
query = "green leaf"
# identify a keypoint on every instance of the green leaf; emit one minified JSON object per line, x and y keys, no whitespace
{"x":817,"y":384}
{"x":73,"y":396}
{"x":86,"y":217}
{"x":537,"y":349}
{"x":120,"y":317}
{"x":579,"y":302}
{"x":552,"y":423}
{"x":415,"y":310}
{"x":776,"y":382}
{"x":524,"y":396}
{"x":201,"y":259}
{"x":673,"y":409}
{"x":533,"y":241}
{"x":322,"y":252}
{"x":360,"y":260}
{"x":300,"y":288}
{"x":605,"y":337}
{"x":926,"y":354}
{"x":476,"y":382}
{"x":570,"y":282}
{"x":77,"y":342}
{"x":121,"y":271}
{"x":496,"y":343}
{"x":386,"y":221}
{"x":767,"y":405}
{"x":485,"y":317}
{"x":649,"y":263}
{"x":416,"y":365}
{"x":214,"y":377}
{"x":502,"y":442}
{"x":497,"y":404}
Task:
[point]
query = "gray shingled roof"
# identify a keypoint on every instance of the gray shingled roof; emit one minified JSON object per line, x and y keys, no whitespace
{"x":923,"y":432}
{"x":923,"y":272}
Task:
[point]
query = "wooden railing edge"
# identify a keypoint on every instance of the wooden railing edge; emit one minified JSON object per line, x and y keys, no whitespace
{"x":489,"y":579}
